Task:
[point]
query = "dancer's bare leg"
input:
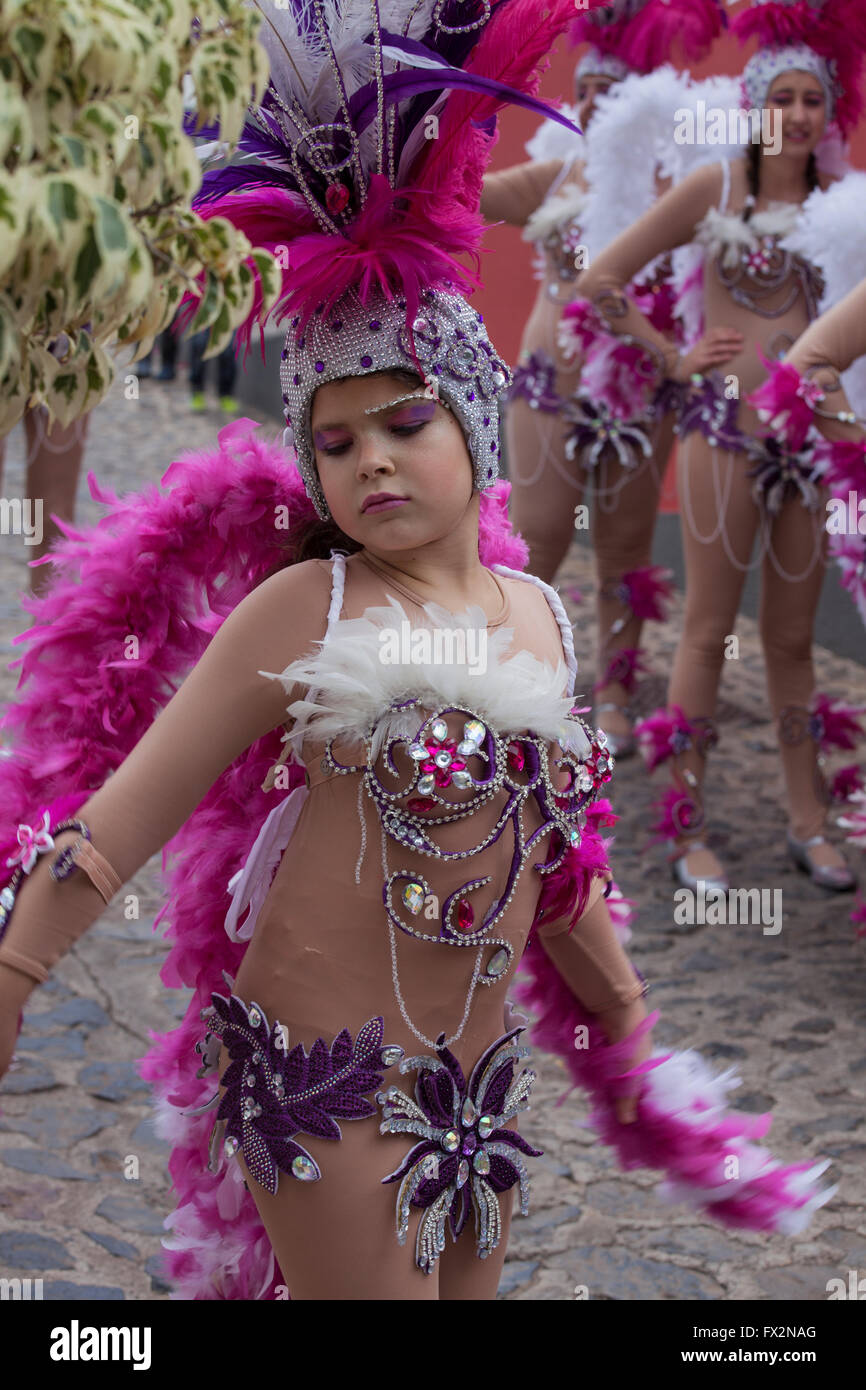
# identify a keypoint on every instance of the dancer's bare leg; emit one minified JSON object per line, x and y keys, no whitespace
{"x":545,"y":486}
{"x":53,"y":466}
{"x":719,"y":523}
{"x":789,"y":602}
{"x":624,"y":514}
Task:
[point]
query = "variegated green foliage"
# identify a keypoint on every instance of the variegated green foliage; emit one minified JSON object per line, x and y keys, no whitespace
{"x":97,"y":239}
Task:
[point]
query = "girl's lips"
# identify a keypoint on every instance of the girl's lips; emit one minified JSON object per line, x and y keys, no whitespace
{"x":386,"y":506}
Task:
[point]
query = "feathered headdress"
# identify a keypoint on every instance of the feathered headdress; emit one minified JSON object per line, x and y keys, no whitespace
{"x":641,"y":35}
{"x":824,"y":37}
{"x":361,"y":172}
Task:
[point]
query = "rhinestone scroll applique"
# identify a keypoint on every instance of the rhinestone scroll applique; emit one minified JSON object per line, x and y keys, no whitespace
{"x":272,"y":1094}
{"x":466,"y":1157}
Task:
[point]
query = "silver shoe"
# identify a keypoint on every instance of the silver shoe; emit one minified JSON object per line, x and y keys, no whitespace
{"x":839,"y":879}
{"x":686,"y":880}
{"x":620,"y":745}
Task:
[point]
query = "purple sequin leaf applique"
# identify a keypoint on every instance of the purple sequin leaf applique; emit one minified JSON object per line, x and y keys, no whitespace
{"x":272,"y":1094}
{"x":466,"y":1156}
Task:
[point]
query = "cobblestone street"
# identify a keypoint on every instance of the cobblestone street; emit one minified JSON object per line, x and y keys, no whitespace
{"x":787,"y":1010}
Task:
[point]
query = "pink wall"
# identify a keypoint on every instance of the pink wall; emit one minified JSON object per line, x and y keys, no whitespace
{"x":509,"y":289}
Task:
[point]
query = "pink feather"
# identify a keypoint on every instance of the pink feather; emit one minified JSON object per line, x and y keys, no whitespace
{"x":623,"y":670}
{"x":844,"y":467}
{"x":785,"y":403}
{"x":676,"y":814}
{"x":849,"y":552}
{"x":840,"y":727}
{"x":846,"y":782}
{"x":682,"y":1127}
{"x":621,"y":375}
{"x":649,"y":588}
{"x":658,"y":733}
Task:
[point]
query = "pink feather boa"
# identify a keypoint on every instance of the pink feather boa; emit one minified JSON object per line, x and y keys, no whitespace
{"x":648,"y":39}
{"x":682,"y":1125}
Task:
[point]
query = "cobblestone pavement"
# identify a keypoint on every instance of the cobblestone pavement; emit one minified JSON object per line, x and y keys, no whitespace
{"x":789,"y":1011}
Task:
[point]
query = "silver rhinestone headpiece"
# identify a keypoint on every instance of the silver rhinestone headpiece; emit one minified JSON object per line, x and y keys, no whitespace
{"x":762,"y":70}
{"x":353,"y":339}
{"x":598,"y":64}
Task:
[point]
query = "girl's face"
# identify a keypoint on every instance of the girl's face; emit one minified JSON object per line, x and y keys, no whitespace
{"x":587,"y":90}
{"x":803,"y":104}
{"x":368,"y":441}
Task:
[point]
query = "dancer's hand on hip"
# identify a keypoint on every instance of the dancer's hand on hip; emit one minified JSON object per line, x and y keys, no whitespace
{"x":714,"y":349}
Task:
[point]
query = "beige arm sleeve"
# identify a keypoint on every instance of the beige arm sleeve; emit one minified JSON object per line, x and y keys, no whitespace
{"x":222,"y":707}
{"x":590,"y":959}
{"x":669,"y":223}
{"x":512,"y":195}
{"x":827,"y":348}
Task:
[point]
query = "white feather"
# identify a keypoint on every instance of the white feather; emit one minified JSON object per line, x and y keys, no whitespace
{"x":830,"y":235}
{"x":351,"y":687}
{"x":553,"y":141}
{"x":555,"y":212}
{"x":724,"y":235}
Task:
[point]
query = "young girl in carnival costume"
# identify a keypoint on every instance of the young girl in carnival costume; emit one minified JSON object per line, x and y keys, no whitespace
{"x":758,"y":231}
{"x":808,"y":399}
{"x":564,"y":431}
{"x":367,"y":949}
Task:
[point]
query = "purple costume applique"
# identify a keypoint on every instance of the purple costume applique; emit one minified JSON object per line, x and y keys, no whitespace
{"x":465,"y":1156}
{"x":272,"y":1094}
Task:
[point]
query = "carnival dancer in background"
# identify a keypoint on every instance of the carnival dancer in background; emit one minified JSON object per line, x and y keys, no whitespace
{"x":744,"y":218}
{"x":570,"y":437}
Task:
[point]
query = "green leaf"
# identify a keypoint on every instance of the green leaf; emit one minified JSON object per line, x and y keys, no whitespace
{"x":87,"y":265}
{"x":63,"y":203}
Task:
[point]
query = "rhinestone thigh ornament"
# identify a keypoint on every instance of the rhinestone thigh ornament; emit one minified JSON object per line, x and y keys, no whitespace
{"x":272,"y":1094}
{"x":465,"y":1156}
{"x":481,"y":764}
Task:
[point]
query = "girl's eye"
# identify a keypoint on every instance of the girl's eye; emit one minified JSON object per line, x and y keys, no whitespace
{"x":336,"y":449}
{"x":409,"y":429}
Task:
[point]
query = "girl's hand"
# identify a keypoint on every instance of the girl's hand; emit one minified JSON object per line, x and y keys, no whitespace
{"x":617,"y":1024}
{"x":717,"y":347}
{"x":14,"y":990}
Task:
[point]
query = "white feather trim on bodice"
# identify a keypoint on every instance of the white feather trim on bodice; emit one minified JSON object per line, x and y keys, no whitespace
{"x":725,"y":235}
{"x":352,"y":682}
{"x":559,"y":210}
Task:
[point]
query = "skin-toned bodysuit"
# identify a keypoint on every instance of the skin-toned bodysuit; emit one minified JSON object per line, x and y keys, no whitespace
{"x":319,"y":957}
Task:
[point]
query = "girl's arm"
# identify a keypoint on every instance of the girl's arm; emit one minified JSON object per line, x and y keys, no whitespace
{"x":512,"y":195}
{"x":671,"y":222}
{"x":829,"y":347}
{"x":223,"y":707}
